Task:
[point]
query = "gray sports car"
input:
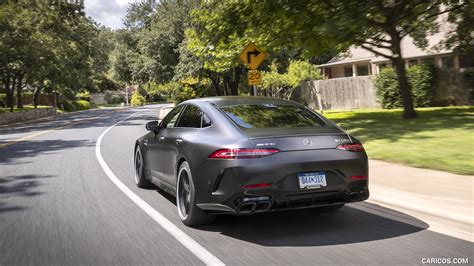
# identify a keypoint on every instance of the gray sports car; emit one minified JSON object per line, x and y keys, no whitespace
{"x":245,"y":155}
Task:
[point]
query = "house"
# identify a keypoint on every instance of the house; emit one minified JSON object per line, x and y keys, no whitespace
{"x":358,"y":61}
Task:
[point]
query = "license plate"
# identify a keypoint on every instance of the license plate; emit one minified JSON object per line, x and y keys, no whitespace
{"x":312,"y":180}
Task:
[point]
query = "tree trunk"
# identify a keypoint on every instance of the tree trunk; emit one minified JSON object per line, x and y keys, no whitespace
{"x":9,"y":93}
{"x":19,"y":90}
{"x":36,"y":96}
{"x":409,"y":111}
{"x":215,"y":81}
{"x":231,"y":82}
{"x":55,"y":99}
{"x":225,"y":81}
{"x":234,"y":88}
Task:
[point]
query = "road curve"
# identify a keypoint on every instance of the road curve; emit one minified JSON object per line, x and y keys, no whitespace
{"x":58,"y":206}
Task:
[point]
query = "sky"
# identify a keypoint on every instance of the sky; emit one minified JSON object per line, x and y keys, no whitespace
{"x":107,"y":12}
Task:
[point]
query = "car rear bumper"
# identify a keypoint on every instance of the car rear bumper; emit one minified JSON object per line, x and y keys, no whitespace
{"x":220,"y":183}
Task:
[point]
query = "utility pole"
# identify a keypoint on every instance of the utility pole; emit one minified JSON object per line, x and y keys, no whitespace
{"x":126,"y":95}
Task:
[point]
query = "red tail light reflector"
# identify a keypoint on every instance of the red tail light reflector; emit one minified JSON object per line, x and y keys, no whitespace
{"x":351,"y":147}
{"x":359,"y":177}
{"x":257,"y":185}
{"x":242,"y":153}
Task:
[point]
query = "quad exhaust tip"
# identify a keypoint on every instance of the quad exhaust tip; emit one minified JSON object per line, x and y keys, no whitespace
{"x":260,"y":204}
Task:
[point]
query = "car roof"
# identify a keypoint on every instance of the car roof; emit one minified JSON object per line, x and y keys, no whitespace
{"x":222,"y":101}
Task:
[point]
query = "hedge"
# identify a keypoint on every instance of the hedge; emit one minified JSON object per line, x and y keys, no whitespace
{"x":421,"y":79}
{"x":71,"y":106}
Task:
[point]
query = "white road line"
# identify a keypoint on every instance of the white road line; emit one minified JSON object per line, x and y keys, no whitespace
{"x":193,"y":246}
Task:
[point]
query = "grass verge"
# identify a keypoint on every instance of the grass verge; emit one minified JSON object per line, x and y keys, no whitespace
{"x":25,"y":108}
{"x":441,"y":138}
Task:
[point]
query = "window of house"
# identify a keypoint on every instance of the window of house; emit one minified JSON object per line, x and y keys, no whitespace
{"x":348,"y":71}
{"x":429,"y":61}
{"x":328,"y":73}
{"x":412,"y":62}
{"x":363,"y":70}
{"x":447,"y":62}
{"x":382,"y":66}
{"x":466,"y":61}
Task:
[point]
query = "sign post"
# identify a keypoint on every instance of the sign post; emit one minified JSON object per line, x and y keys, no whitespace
{"x":253,"y":56}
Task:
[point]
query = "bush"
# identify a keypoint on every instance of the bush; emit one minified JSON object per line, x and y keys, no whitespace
{"x":421,"y":80}
{"x":71,"y":106}
{"x":137,"y":99}
{"x":82,"y":105}
{"x":67,"y":106}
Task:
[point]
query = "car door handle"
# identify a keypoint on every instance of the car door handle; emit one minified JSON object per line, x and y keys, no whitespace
{"x":178,"y":141}
{"x":145,"y":142}
{"x":161,"y":139}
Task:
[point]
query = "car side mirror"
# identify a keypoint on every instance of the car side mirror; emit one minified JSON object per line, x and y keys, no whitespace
{"x":152,"y":126}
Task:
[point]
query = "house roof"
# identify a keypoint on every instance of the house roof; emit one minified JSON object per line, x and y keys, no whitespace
{"x":357,"y":54}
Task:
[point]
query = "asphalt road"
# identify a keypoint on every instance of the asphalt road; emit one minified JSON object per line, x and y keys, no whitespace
{"x":58,"y":206}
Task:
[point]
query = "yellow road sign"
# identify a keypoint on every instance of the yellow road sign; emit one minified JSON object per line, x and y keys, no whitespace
{"x":254,"y":77}
{"x":252,"y":56}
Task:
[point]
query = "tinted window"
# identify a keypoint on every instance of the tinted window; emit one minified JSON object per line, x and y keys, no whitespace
{"x":206,"y":122}
{"x":272,"y":116}
{"x":171,"y":117}
{"x":191,"y":117}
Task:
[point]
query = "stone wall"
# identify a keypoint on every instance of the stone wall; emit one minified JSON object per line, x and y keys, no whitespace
{"x":8,"y":118}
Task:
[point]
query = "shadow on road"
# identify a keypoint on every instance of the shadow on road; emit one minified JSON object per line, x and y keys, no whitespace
{"x":312,"y":227}
{"x":18,"y":186}
{"x":31,"y":148}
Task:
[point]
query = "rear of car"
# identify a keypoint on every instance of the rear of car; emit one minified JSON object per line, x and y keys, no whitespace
{"x":294,"y":158}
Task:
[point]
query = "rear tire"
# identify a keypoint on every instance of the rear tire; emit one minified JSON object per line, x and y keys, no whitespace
{"x":140,"y":176}
{"x":189,"y":213}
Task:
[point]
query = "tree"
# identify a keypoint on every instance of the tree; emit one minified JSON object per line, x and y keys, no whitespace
{"x":50,"y":45}
{"x":378,"y":26}
{"x":462,"y":37}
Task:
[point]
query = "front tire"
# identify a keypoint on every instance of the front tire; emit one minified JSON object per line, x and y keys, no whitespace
{"x":189,"y":213}
{"x":140,"y":176}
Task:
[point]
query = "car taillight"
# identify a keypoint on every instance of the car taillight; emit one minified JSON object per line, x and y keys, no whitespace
{"x":351,"y":147}
{"x":257,"y":185}
{"x":242,"y":153}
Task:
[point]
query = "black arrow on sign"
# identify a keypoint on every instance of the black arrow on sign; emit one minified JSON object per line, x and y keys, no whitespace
{"x":255,"y":53}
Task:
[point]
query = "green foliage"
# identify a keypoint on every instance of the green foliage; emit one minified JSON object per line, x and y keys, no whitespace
{"x":420,"y":78}
{"x":387,"y":90}
{"x":67,"y":106}
{"x":175,"y":91}
{"x":82,"y":105}
{"x":71,"y":106}
{"x":52,"y":46}
{"x":422,"y":82}
{"x":299,"y":71}
{"x":137,"y":99}
{"x":275,"y":84}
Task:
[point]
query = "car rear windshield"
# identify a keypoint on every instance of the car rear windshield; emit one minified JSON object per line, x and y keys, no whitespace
{"x":272,"y":116}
